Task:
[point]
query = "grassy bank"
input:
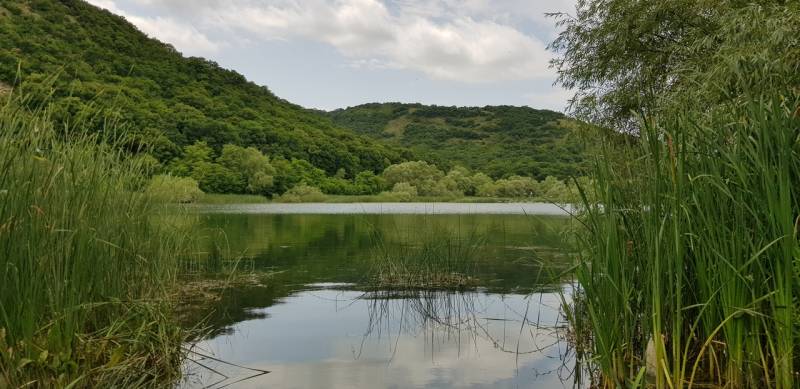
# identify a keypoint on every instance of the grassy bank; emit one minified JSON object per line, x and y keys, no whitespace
{"x":419,"y":199}
{"x":83,"y":271}
{"x":213,"y":198}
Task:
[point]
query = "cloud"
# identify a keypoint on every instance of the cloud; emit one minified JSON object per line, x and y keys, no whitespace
{"x":466,"y":41}
{"x":432,"y":40}
{"x":184,"y":37}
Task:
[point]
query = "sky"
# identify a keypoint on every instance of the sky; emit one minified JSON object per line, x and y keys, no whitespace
{"x":329,"y":54}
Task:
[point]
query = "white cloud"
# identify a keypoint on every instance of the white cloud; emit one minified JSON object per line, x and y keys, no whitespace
{"x":472,"y":41}
{"x":184,"y":37}
{"x":426,"y":38}
{"x":469,"y":50}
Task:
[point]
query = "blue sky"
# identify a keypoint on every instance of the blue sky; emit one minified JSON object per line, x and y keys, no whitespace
{"x":333,"y":54}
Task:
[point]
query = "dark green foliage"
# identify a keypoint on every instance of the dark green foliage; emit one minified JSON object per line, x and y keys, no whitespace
{"x":105,"y":64}
{"x":501,"y":140}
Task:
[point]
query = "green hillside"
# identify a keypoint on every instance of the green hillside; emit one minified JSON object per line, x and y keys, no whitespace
{"x":103,"y":63}
{"x":232,"y":136}
{"x":498,"y":140}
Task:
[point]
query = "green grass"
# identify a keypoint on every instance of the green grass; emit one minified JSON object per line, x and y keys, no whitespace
{"x":216,"y":198}
{"x":421,"y":199}
{"x":691,"y":250}
{"x":84,"y":270}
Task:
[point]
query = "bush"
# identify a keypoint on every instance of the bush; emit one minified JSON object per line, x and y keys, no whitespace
{"x":514,"y":186}
{"x":402,"y":191}
{"x":420,"y":174}
{"x":171,"y":189}
{"x":302,"y":193}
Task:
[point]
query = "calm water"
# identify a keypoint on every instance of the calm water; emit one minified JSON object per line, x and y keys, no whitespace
{"x":314,"y":322}
{"x":394,"y":208}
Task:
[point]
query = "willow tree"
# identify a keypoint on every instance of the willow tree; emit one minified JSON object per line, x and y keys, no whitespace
{"x":627,"y":58}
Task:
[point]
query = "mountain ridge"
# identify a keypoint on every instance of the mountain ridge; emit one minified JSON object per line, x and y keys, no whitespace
{"x":501,"y":140}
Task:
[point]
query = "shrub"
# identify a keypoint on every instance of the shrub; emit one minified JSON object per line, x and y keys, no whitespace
{"x":303,"y":193}
{"x":171,"y":189}
{"x":420,"y":174}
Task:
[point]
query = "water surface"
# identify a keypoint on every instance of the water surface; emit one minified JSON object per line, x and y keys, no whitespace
{"x":393,"y":208}
{"x":316,"y":322}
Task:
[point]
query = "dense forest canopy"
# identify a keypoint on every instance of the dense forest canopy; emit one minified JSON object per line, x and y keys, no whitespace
{"x":498,"y":140}
{"x":102,"y":61}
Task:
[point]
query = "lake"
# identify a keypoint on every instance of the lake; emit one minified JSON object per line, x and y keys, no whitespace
{"x":317,"y":318}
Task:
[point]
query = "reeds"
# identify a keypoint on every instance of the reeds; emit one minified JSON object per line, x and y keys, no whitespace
{"x":83,"y":268}
{"x":689,"y":265}
{"x":435,"y":260}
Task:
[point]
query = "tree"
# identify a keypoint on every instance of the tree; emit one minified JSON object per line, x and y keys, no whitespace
{"x":461,"y":176}
{"x":479,"y":180}
{"x":553,"y":189}
{"x":622,"y":55}
{"x":193,"y":155}
{"x":465,"y":182}
{"x":420,"y":174}
{"x":367,"y":182}
{"x":255,"y":168}
{"x":215,"y":178}
{"x":290,"y":173}
{"x":514,"y":187}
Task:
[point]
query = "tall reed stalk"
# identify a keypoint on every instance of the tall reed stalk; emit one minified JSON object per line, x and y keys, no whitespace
{"x":83,"y":269}
{"x":690,"y":265}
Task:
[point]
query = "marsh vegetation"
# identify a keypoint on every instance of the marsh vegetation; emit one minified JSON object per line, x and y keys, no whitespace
{"x":689,"y":261}
{"x":85,"y":271}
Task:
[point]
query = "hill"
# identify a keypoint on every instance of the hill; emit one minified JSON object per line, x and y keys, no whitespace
{"x":105,"y":64}
{"x":498,"y":140}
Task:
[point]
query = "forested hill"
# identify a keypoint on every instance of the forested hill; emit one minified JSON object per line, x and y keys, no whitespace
{"x":104,"y":62}
{"x":498,"y":140}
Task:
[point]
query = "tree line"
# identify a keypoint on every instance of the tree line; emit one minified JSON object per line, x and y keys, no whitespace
{"x":246,"y":170}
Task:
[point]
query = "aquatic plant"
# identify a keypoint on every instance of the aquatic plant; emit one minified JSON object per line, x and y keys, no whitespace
{"x":690,"y":256}
{"x":83,"y":270}
{"x":431,"y":259}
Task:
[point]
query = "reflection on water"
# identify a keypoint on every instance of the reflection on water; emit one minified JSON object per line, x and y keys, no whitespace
{"x":331,"y":338}
{"x":313,"y":323}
